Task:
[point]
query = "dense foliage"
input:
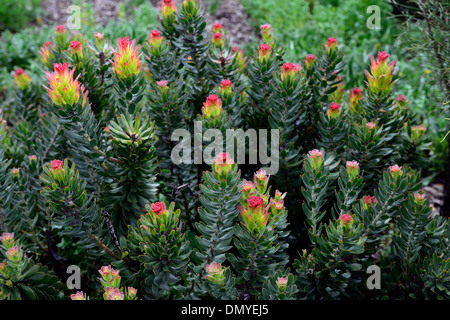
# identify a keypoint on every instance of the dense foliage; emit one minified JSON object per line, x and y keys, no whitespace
{"x":88,"y":178}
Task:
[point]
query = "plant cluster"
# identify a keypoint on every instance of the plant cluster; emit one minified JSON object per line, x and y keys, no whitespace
{"x":87,"y":175}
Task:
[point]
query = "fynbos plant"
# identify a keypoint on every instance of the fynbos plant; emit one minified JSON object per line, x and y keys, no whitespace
{"x":88,"y":177}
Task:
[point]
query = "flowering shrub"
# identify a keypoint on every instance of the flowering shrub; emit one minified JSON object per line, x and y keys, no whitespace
{"x":87,"y":175}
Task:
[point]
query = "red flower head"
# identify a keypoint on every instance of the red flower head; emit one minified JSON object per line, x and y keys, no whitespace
{"x":264,"y":52}
{"x":222,"y":163}
{"x":217,"y":28}
{"x":368,"y":200}
{"x":155,"y":39}
{"x":266,"y":32}
{"x":396,"y":171}
{"x":60,"y":29}
{"x":255,"y":216}
{"x":290,"y":70}
{"x":217,"y":39}
{"x":355,"y":96}
{"x":225,"y":85}
{"x":76,"y":49}
{"x":21,"y":79}
{"x":331,"y":44}
{"x":168,"y":8}
{"x":126,"y":61}
{"x":310,"y":60}
{"x":63,"y":88}
{"x":158,"y":208}
{"x":56,"y":165}
{"x":212,"y":108}
{"x":334,"y":109}
{"x":346,"y":220}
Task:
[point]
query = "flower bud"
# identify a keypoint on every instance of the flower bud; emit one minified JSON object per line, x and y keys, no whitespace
{"x":7,"y":239}
{"x":261,"y":181}
{"x":396,"y":171}
{"x":316,"y":158}
{"x":217,"y":28}
{"x":155,"y":39}
{"x":215,"y":273}
{"x":14,"y":254}
{"x":168,"y":8}
{"x":331,"y":45}
{"x":346,"y":221}
{"x":99,"y":38}
{"x":46,"y":55}
{"x":381,"y":74}
{"x":282,"y":284}
{"x":367,"y":202}
{"x":76,"y":49}
{"x":266,"y":32}
{"x":21,"y":79}
{"x":334,"y":110}
{"x":417,"y":132}
{"x":131,"y":293}
{"x":127,"y":62}
{"x":115,"y":294}
{"x":225,"y":85}
{"x":217,"y":40}
{"x":352,"y":169}
{"x":289,"y":70}
{"x":212,"y":108}
{"x":56,"y":165}
{"x":78,"y":296}
{"x":370,"y":125}
{"x":159,"y":208}
{"x":419,"y":198}
{"x":223,"y":163}
{"x":255,"y":216}
{"x":355,"y":96}
{"x":264,"y":52}
{"x":310,"y":60}
{"x":63,"y":88}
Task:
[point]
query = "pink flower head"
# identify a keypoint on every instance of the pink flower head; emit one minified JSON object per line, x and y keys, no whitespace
{"x":60,"y":29}
{"x":266,"y":32}
{"x":255,"y":201}
{"x":127,"y":62}
{"x":396,"y":171}
{"x":331,"y":44}
{"x":368,"y":200}
{"x":131,"y":292}
{"x":334,"y":109}
{"x":98,"y":36}
{"x":382,"y":57}
{"x":401,"y":100}
{"x":63,"y":88}
{"x":419,"y":198}
{"x":247,"y":187}
{"x":225,"y":84}
{"x":260,"y":175}
{"x":346,"y":220}
{"x":212,"y":108}
{"x":352,"y":169}
{"x":168,"y":8}
{"x":290,"y":70}
{"x":21,"y":79}
{"x":264,"y":52}
{"x":215,"y":272}
{"x":7,"y":239}
{"x":56,"y":165}
{"x":78,"y":296}
{"x":76,"y":48}
{"x":316,"y":158}
{"x":310,"y":60}
{"x":14,"y":253}
{"x":217,"y":28}
{"x":222,"y":163}
{"x":282,"y":283}
{"x":158,"y":208}
{"x":15,"y":171}
{"x":370,"y":125}
{"x":46,"y":54}
{"x":115,"y":294}
{"x":105,"y":270}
